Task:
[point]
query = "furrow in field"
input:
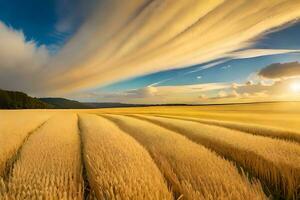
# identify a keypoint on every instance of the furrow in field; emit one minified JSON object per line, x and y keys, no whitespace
{"x":88,"y":193}
{"x":245,"y":127}
{"x":49,"y":165}
{"x":13,"y":159}
{"x":117,"y":166}
{"x":15,"y":127}
{"x":275,"y":162}
{"x":193,"y":171}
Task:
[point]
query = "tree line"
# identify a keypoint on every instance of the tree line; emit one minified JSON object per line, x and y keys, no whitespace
{"x":20,"y":100}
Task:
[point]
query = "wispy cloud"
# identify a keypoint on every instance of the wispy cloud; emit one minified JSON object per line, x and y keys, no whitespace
{"x":160,"y":82}
{"x":226,"y":67}
{"x":121,"y":40}
{"x":203,"y":67}
{"x":251,"y":53}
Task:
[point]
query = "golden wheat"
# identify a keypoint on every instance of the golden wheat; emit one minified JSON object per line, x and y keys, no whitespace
{"x":275,"y":161}
{"x":43,"y":160}
{"x":117,"y":166}
{"x":254,"y":129}
{"x":49,"y":164}
{"x":15,"y":126}
{"x":284,"y":115}
{"x":193,"y":171}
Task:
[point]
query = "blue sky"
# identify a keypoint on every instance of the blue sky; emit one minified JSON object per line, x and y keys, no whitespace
{"x":35,"y":18}
{"x":39,"y":20}
{"x":53,"y":23}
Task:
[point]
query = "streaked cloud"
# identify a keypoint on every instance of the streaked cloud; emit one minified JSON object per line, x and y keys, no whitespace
{"x":160,"y":82}
{"x":121,"y":40}
{"x":206,"y":66}
{"x":252,"y":53}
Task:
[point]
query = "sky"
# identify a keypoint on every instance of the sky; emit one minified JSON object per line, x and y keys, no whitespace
{"x":153,"y":52}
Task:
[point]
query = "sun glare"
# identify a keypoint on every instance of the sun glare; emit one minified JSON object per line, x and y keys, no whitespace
{"x":295,"y":87}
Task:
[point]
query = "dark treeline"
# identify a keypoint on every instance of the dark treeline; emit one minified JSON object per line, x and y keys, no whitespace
{"x":20,"y":100}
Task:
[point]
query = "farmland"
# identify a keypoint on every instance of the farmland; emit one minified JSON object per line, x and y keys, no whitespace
{"x":242,"y":151}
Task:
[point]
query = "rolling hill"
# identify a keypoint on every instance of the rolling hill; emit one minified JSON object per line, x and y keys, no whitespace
{"x":62,"y":103}
{"x":20,"y":100}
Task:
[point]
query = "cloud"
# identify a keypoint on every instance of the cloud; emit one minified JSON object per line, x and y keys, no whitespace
{"x":206,"y":66}
{"x":269,"y":90}
{"x":142,"y":93}
{"x":249,"y":91}
{"x":160,"y":82}
{"x":252,"y":53}
{"x":222,"y":94}
{"x":241,"y":54}
{"x":249,"y":82}
{"x":162,"y":94}
{"x":281,"y":70}
{"x":231,"y":94}
{"x":120,"y":41}
{"x":19,"y":59}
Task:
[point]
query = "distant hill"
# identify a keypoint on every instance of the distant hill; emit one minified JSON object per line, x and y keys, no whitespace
{"x":71,"y":104}
{"x":62,"y":103}
{"x":20,"y":100}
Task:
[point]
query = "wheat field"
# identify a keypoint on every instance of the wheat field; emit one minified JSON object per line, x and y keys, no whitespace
{"x":200,"y":175}
{"x":49,"y":163}
{"x":196,"y":152}
{"x":265,"y":157}
{"x":14,"y":129}
{"x":118,"y":167}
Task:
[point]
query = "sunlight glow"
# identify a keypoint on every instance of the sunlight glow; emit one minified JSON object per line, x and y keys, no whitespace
{"x":295,"y":87}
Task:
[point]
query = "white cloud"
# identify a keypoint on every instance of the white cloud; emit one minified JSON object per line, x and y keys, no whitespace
{"x":19,"y":59}
{"x":206,"y":66}
{"x":222,"y":94}
{"x":160,"y":82}
{"x":252,"y":53}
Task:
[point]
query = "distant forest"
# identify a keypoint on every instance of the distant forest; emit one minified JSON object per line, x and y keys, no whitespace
{"x":20,"y":100}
